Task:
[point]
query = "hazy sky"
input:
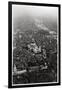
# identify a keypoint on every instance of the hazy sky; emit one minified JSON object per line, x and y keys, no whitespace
{"x":43,"y":11}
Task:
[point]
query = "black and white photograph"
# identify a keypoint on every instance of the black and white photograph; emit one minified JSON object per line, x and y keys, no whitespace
{"x":34,"y":44}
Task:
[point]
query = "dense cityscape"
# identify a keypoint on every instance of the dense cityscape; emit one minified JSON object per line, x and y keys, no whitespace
{"x":34,"y":54}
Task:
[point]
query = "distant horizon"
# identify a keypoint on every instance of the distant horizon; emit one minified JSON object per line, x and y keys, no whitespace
{"x":23,"y":16}
{"x":34,"y":11}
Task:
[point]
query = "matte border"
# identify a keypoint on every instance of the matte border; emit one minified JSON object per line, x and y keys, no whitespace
{"x":10,"y":42}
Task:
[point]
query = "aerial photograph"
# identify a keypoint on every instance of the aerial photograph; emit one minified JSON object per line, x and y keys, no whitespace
{"x":34,"y":44}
